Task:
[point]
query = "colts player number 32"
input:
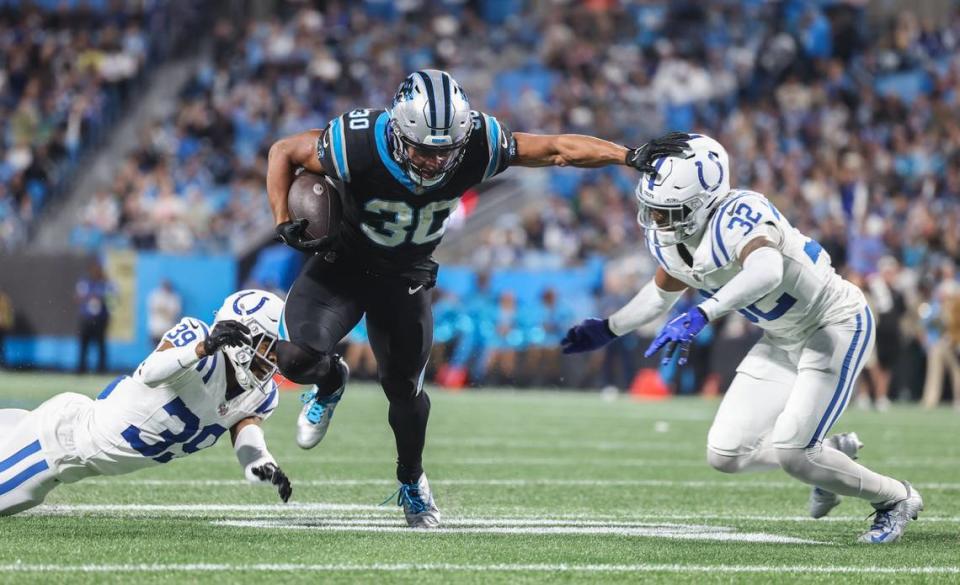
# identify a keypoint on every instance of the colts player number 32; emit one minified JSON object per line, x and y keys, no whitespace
{"x":400,"y":171}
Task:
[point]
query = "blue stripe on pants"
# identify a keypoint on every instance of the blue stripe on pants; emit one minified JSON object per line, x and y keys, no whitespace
{"x":23,"y":476}
{"x":853,"y":376}
{"x":19,"y":456}
{"x":841,"y":384}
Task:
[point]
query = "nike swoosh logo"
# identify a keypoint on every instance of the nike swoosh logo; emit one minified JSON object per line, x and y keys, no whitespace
{"x":413,"y":290}
{"x":274,"y":320}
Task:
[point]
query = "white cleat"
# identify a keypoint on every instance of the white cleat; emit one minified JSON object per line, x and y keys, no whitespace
{"x":314,"y":419}
{"x":418,"y":505}
{"x":822,"y":501}
{"x":889,"y":523}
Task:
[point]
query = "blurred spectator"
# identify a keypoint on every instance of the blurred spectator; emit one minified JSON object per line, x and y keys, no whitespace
{"x":164,"y":309}
{"x":889,"y":307}
{"x":6,"y":325}
{"x":93,"y":296}
{"x":944,"y":355}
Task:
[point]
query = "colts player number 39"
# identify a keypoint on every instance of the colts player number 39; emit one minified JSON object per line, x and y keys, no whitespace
{"x":401,"y":171}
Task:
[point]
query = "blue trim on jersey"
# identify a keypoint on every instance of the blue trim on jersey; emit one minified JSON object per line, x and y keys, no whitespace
{"x":110,"y":388}
{"x":206,"y":377}
{"x":339,"y":151}
{"x":23,"y":476}
{"x":813,"y":249}
{"x":282,"y":328}
{"x":431,"y":100}
{"x":493,"y":139}
{"x":841,"y":384}
{"x":384,"y":152}
{"x":263,"y":408}
{"x":20,"y":455}
{"x":716,"y":230}
{"x":653,"y":176}
{"x":849,"y":390}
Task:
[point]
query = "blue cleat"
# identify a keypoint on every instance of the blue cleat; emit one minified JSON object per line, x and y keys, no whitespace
{"x":314,"y":419}
{"x":889,"y":523}
{"x":417,"y":502}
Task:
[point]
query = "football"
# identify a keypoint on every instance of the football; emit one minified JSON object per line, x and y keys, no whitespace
{"x":315,"y":198}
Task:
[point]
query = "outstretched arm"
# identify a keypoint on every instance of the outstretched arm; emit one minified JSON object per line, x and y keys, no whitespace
{"x":563,"y":150}
{"x":653,"y":300}
{"x":258,"y":464}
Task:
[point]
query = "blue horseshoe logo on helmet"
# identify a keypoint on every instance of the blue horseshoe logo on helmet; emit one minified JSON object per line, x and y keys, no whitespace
{"x":241,"y":311}
{"x":712,"y":156}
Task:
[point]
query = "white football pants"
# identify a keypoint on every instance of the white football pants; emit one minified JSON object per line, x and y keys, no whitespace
{"x":26,"y":477}
{"x":781,"y":405}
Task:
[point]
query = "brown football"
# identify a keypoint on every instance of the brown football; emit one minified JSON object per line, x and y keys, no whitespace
{"x":315,"y":198}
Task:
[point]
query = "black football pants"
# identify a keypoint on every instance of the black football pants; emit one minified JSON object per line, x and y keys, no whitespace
{"x":328,"y":299}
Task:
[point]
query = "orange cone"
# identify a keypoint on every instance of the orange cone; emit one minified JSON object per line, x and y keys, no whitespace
{"x":648,"y":385}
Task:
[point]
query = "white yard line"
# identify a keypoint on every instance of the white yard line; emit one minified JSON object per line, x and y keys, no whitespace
{"x":707,"y":484}
{"x":476,"y":568}
{"x":372,"y":514}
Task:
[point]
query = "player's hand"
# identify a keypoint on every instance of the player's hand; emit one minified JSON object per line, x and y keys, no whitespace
{"x":643,"y":157}
{"x":680,"y":331}
{"x":226,"y":334}
{"x":271,"y":473}
{"x":589,"y":335}
{"x":294,"y":234}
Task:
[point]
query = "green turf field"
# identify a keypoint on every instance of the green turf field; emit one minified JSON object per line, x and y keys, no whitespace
{"x":534,"y":487}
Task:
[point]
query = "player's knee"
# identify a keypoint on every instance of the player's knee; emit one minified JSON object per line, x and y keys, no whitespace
{"x":400,"y":388}
{"x":302,"y":365}
{"x":724,"y":461}
{"x":794,"y":460}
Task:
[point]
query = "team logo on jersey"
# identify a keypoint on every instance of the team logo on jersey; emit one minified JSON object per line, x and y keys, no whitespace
{"x":223,"y":409}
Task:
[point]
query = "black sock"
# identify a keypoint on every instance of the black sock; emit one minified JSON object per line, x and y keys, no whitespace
{"x":408,"y":419}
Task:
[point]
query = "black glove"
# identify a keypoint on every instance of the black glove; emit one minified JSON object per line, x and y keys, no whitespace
{"x":273,"y":474}
{"x":226,"y":333}
{"x":294,"y":234}
{"x":642,"y":157}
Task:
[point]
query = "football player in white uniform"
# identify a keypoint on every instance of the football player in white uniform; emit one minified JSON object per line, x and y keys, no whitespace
{"x":199,"y":382}
{"x":741,"y":254}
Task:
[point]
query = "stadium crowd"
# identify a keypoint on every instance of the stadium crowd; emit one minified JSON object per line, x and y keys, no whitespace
{"x":846,"y":118}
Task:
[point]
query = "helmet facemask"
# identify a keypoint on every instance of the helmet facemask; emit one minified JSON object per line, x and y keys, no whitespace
{"x":449,"y":155}
{"x":675,"y":223}
{"x":255,"y":364}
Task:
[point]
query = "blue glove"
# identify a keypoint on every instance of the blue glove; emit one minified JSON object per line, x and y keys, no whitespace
{"x":679,"y":331}
{"x":589,"y":335}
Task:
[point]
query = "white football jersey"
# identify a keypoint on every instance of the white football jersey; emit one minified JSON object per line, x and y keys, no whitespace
{"x":811,"y":294}
{"x":131,"y":425}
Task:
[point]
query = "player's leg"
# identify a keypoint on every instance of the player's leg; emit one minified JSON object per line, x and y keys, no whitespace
{"x":400,"y":326}
{"x":25,"y":475}
{"x":740,"y":437}
{"x":321,"y":309}
{"x":829,"y":365}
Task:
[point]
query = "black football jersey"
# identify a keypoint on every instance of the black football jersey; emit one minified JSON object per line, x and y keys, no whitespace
{"x":390,"y":224}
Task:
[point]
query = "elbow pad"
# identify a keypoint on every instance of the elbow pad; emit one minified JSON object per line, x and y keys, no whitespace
{"x":251,"y":449}
{"x":651,"y":302}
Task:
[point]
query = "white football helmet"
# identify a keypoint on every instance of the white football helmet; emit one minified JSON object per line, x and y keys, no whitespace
{"x":430,"y":115}
{"x":254,"y":364}
{"x":678,"y":199}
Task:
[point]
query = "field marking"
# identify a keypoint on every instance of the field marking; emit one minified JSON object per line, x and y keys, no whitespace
{"x":373,"y":513}
{"x":475,"y":568}
{"x":634,"y":529}
{"x":710,"y":484}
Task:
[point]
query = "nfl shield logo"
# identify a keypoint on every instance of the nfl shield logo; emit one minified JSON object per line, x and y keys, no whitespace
{"x":223,"y":409}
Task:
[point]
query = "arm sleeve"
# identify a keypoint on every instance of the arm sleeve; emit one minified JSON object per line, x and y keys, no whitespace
{"x":501,"y":146}
{"x":651,"y":302}
{"x":762,"y":273}
{"x":164,"y":366}
{"x":332,"y":150}
{"x":251,"y":449}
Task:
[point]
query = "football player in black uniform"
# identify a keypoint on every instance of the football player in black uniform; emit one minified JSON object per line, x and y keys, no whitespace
{"x":400,"y":172}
